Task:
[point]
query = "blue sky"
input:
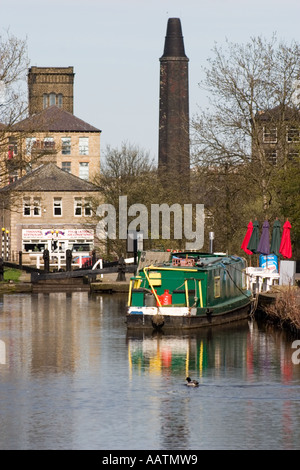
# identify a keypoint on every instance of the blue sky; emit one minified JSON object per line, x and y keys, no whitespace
{"x":115,"y":46}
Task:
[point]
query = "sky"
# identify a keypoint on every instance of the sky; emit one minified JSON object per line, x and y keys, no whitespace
{"x":115,"y":46}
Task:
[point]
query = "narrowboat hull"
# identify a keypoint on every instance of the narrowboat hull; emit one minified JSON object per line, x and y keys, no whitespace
{"x":160,"y":317}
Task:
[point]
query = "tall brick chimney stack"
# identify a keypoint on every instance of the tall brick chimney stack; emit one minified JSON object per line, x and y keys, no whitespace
{"x":174,"y":147}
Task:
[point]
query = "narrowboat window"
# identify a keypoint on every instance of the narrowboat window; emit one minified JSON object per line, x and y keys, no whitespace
{"x":217,"y":286}
{"x":244,"y":279}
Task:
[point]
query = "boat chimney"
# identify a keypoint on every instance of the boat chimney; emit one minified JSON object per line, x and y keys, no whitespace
{"x":211,"y":242}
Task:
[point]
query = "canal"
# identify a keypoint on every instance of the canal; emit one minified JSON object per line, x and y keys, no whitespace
{"x":72,"y":378}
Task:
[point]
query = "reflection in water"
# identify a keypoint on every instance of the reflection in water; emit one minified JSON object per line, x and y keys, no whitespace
{"x":57,"y":323}
{"x":2,"y":352}
{"x":74,"y":378}
{"x":218,"y":353}
{"x":219,"y":348}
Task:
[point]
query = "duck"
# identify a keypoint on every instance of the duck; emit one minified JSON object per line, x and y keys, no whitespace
{"x":191,"y":383}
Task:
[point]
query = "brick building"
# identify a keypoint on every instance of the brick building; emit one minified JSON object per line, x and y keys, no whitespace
{"x":48,"y":86}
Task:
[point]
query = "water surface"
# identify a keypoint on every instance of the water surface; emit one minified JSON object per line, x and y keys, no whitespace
{"x":71,"y":377}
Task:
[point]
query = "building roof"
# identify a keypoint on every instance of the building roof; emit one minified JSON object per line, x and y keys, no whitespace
{"x":54,"y":119}
{"x":276,"y":113}
{"x":49,"y":177}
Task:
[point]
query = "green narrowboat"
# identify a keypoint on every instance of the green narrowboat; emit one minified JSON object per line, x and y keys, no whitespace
{"x":187,"y":290}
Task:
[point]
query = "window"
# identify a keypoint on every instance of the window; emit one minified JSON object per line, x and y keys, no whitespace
{"x":30,"y":144}
{"x":84,"y":170}
{"x":83,"y":145}
{"x":45,"y":101}
{"x":12,"y":147}
{"x":48,"y":143}
{"x":66,"y":145}
{"x":52,"y":99}
{"x":270,"y":134}
{"x":87,"y":208}
{"x":217,"y":286}
{"x":59,"y":100}
{"x":37,"y":207}
{"x":293,"y":155}
{"x":57,"y":206}
{"x":271,"y":156}
{"x":66,"y":166}
{"x":13,"y":177}
{"x":244,"y":279}
{"x":26,"y":207}
{"x":293,"y":134}
{"x":78,"y":206}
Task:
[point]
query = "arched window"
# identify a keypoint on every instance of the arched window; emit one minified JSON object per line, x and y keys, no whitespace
{"x":59,"y":100}
{"x":52,"y":99}
{"x":45,"y":100}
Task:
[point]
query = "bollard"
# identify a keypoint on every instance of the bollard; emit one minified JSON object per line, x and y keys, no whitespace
{"x":121,"y":270}
{"x":46,"y":261}
{"x":69,"y":260}
{"x":94,"y":257}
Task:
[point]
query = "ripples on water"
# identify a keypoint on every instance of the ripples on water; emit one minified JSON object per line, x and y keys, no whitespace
{"x":73,"y":378}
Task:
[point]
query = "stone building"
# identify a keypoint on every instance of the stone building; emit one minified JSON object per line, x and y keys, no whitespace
{"x":47,"y":208}
{"x":47,"y":165}
{"x":51,"y":132}
{"x":276,"y":133}
{"x":52,"y":135}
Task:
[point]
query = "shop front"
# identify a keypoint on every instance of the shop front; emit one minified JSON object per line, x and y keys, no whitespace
{"x":57,"y":241}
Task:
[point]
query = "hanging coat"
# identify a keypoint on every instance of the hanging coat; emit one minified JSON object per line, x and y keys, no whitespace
{"x":247,"y":238}
{"x":285,"y":248}
{"x":275,"y":241}
{"x":264,"y":242}
{"x":254,"y":239}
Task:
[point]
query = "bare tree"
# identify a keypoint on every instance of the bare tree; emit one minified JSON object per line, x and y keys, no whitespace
{"x":13,"y":68}
{"x":245,"y":82}
{"x":13,"y":99}
{"x":128,"y":172}
{"x":251,"y":89}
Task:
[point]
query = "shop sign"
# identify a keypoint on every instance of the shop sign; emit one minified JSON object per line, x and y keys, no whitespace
{"x":40,"y":234}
